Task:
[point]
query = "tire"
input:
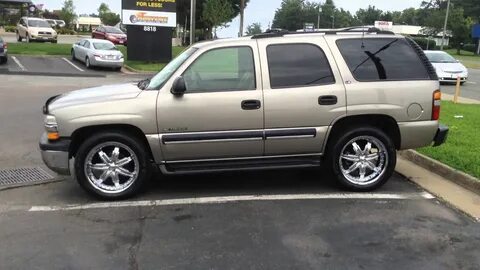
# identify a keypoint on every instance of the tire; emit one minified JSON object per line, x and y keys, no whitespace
{"x":462,"y":83}
{"x":3,"y":60}
{"x":73,"y":55}
{"x":87,"y":63}
{"x":54,"y":41}
{"x":376,"y":171}
{"x":19,"y":38}
{"x":27,"y":38}
{"x":128,"y":146}
{"x":117,"y":69}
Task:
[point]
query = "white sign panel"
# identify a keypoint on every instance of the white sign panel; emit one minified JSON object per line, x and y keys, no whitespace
{"x":149,"y":18}
{"x":384,"y":25}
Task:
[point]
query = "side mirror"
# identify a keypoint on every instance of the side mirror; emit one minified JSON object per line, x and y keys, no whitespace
{"x":179,"y":87}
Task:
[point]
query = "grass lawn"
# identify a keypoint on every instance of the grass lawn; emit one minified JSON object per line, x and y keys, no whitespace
{"x":149,"y":66}
{"x":39,"y":48}
{"x":469,"y":59}
{"x":461,"y":149}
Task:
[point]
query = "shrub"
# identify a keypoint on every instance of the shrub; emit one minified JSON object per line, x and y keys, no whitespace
{"x":469,"y":47}
{"x":65,"y":31}
{"x":423,"y":42}
{"x":10,"y":28}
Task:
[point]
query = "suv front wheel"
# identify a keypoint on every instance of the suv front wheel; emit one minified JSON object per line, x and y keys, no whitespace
{"x":112,"y":165}
{"x":363,"y":159}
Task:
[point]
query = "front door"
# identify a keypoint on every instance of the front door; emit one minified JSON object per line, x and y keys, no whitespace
{"x":221,"y":114}
{"x":303,"y":93}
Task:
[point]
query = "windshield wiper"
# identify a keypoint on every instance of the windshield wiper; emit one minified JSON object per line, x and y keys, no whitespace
{"x":143,"y":84}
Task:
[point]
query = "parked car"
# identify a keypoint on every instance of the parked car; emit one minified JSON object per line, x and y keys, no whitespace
{"x":35,"y":29}
{"x":97,"y":53}
{"x":3,"y":51}
{"x":346,"y":100}
{"x":447,"y":67}
{"x":110,"y":33}
{"x":60,"y":23}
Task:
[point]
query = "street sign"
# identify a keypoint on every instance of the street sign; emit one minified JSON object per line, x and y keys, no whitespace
{"x":476,"y":31}
{"x":149,"y":26}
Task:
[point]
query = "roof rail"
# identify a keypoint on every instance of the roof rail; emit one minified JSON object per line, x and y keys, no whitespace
{"x":281,"y":32}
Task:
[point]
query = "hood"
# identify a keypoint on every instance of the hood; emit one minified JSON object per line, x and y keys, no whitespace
{"x":41,"y":29}
{"x":449,"y":67}
{"x":95,"y":95}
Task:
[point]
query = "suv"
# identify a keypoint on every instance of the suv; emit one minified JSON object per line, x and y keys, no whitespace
{"x":35,"y":29}
{"x":3,"y":51}
{"x":343,"y":99}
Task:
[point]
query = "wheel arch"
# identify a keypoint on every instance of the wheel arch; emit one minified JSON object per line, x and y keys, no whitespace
{"x":385,"y":123}
{"x":79,"y":136}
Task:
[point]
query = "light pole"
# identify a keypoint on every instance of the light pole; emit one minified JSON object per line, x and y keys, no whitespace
{"x":242,"y":12}
{"x":193,"y":8}
{"x":445,"y":25}
{"x":333,"y":20}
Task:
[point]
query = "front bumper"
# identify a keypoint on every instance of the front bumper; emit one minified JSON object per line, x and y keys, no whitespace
{"x":55,"y":154}
{"x":452,"y":77}
{"x":441,"y":136}
{"x":40,"y":38}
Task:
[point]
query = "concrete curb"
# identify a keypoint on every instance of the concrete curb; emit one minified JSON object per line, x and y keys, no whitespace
{"x":135,"y":71}
{"x":467,"y":181}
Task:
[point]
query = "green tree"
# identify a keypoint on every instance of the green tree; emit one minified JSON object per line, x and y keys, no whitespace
{"x":216,"y":13}
{"x":254,"y":29}
{"x":103,"y":8}
{"x":68,"y":13}
{"x":290,"y":15}
{"x":107,"y":16}
{"x":369,"y":16}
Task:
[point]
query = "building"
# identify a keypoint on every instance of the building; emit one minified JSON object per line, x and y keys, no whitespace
{"x":418,"y":31}
{"x":87,"y":24}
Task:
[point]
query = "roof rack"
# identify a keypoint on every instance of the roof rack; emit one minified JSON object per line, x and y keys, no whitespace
{"x":282,"y":32}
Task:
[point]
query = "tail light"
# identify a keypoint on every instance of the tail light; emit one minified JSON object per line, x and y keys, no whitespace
{"x":437,"y":100}
{"x":5,"y":45}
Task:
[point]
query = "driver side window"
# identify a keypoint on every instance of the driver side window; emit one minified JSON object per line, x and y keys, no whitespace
{"x":224,"y":69}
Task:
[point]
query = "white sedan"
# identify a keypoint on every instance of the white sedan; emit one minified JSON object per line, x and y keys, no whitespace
{"x":447,"y":67}
{"x":97,"y":53}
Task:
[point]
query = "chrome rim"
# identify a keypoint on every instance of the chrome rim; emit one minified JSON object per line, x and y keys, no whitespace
{"x":111,"y":167}
{"x":363,"y":160}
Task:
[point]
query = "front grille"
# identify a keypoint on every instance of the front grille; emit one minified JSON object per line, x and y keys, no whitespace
{"x":453,"y":72}
{"x":45,"y":33}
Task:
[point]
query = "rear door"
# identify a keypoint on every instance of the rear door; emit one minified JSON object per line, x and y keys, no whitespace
{"x":303,"y":94}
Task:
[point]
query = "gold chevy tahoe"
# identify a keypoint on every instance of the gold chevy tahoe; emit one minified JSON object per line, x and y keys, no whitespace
{"x":346,"y":99}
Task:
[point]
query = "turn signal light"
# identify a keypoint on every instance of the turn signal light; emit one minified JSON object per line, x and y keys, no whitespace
{"x":437,"y":100}
{"x":53,"y":136}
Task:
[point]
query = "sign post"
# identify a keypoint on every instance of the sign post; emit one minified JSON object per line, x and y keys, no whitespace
{"x":149,"y":27}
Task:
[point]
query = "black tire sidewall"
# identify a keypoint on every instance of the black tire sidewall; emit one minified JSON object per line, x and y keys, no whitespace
{"x":363,"y":131}
{"x":137,"y":147}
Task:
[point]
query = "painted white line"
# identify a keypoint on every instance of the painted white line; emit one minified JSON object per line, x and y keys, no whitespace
{"x":467,"y":82}
{"x":72,"y":64}
{"x":232,"y":199}
{"x":19,"y":64}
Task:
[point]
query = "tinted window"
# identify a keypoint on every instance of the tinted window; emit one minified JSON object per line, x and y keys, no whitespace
{"x":298,"y":65}
{"x":382,"y":59}
{"x":38,"y":23}
{"x":226,"y":69}
{"x":112,"y":30}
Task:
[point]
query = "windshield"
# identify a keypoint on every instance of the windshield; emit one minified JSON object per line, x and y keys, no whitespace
{"x":440,"y":58}
{"x":113,"y":30}
{"x":104,"y":46}
{"x":38,"y":23}
{"x":159,"y":79}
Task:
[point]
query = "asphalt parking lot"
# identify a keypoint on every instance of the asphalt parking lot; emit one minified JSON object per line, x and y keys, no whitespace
{"x":62,"y":66}
{"x":471,"y":89}
{"x":289,"y":219}
{"x":62,"y":39}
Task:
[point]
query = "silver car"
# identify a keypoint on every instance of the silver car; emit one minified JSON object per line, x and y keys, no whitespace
{"x":97,"y":53}
{"x":447,"y":67}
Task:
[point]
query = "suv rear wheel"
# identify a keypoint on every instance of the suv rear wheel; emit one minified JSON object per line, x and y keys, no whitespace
{"x":112,"y":165}
{"x":19,"y":38}
{"x":363,"y":159}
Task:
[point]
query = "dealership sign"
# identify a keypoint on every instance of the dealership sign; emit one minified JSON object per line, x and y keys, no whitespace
{"x":384,"y":25}
{"x":159,"y":13}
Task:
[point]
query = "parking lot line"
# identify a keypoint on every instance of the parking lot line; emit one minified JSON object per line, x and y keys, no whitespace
{"x":72,"y":64}
{"x":233,"y":199}
{"x":18,"y":63}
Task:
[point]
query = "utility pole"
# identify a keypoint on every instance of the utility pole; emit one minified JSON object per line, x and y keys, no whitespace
{"x":319,"y":12}
{"x":242,"y":11}
{"x":445,"y":25}
{"x":333,"y":20}
{"x":193,"y":8}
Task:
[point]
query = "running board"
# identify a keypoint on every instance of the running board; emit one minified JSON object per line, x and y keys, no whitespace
{"x":240,"y":165}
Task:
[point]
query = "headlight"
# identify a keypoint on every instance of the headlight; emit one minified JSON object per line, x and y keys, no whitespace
{"x":51,"y":127}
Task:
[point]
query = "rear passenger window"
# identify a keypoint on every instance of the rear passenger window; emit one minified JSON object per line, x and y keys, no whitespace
{"x":293,"y":65}
{"x":382,"y":59}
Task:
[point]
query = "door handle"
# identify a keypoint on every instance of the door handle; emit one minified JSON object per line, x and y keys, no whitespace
{"x":251,"y":104}
{"x":327,"y":100}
